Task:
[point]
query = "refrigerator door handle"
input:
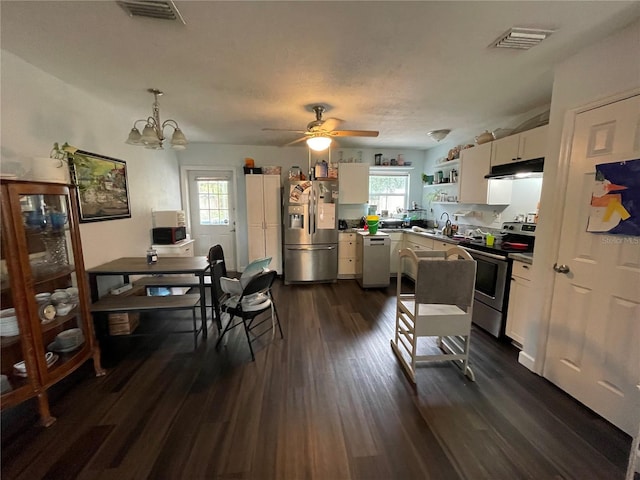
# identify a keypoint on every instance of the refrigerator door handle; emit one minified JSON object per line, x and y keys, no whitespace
{"x":323,"y":247}
{"x":314,"y":203}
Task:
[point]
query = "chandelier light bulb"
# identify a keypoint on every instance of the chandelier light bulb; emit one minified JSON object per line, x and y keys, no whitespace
{"x":152,"y":135}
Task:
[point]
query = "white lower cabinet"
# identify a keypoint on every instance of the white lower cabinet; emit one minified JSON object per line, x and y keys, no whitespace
{"x":346,"y":255}
{"x":518,"y":299}
{"x":396,"y":245}
{"x":416,"y":243}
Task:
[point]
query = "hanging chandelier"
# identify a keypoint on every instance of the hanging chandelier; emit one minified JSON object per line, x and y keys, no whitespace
{"x":152,"y":135}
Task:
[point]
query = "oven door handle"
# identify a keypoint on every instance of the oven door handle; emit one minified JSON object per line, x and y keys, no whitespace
{"x":485,"y":254}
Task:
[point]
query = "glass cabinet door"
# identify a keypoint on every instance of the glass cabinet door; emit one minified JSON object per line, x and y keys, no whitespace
{"x":14,"y":386}
{"x":45,"y":321}
{"x":56,"y":293}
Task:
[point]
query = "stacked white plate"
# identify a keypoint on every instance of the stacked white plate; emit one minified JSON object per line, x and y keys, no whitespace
{"x":67,"y":341}
{"x":9,"y":323}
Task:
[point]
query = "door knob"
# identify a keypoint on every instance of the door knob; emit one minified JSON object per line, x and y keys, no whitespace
{"x":562,"y":268}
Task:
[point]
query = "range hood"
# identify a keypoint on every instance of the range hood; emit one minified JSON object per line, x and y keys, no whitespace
{"x":533,"y":167}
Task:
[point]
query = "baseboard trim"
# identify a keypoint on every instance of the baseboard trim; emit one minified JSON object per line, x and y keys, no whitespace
{"x":526,"y":360}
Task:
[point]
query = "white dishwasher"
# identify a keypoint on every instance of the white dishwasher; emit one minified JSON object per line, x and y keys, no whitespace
{"x":373,"y":253}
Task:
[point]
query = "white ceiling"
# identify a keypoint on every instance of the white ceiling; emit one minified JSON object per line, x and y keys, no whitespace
{"x":402,"y":68}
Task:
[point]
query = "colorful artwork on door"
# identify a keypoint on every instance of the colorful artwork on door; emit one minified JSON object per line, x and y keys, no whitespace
{"x":615,"y":199}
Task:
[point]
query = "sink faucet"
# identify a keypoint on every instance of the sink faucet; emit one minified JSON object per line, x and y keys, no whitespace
{"x":443,"y":214}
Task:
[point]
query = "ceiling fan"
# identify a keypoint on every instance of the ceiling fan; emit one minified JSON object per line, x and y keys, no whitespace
{"x":319,"y":132}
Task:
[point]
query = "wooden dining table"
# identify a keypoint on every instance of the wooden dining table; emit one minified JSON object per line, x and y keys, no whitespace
{"x":127,"y":266}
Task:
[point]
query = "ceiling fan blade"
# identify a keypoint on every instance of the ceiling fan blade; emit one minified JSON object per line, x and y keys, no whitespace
{"x":330,"y":124}
{"x":301,"y":139}
{"x":354,"y":133}
{"x":282,"y":130}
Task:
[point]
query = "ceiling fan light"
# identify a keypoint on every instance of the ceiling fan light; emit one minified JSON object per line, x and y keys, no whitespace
{"x":134,"y":137}
{"x":318,"y":143}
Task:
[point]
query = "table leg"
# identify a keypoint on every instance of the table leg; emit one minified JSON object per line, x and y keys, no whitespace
{"x":203,"y":306}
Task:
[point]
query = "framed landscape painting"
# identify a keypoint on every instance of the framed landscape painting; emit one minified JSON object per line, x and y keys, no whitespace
{"x":101,"y":186}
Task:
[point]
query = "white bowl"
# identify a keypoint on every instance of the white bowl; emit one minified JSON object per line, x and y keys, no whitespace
{"x":69,"y":338}
{"x":43,"y":297}
{"x":8,"y":313}
{"x":72,"y":291}
{"x":63,"y":309}
{"x":59,"y":297}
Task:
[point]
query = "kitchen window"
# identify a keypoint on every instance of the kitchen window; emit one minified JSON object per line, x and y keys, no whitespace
{"x":213,"y":200}
{"x":389,"y":191}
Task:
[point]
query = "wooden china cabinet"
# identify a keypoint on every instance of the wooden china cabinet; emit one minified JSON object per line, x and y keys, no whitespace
{"x":43,"y":292}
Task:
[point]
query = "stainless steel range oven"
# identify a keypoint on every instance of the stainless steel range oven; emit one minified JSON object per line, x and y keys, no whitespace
{"x":493,"y":274}
{"x":490,"y":300}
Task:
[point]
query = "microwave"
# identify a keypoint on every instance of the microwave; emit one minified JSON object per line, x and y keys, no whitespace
{"x":168,"y":235}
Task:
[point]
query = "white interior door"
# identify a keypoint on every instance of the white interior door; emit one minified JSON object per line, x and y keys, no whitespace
{"x":212,"y":212}
{"x":594,"y":341}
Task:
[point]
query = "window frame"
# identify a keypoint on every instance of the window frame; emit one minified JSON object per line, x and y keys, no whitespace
{"x":381,"y":173}
{"x":210,"y":196}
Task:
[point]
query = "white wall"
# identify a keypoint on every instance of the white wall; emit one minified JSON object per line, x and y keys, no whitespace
{"x":596,"y":73}
{"x":38,"y":110}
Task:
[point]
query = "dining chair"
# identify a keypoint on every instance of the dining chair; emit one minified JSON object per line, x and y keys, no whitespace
{"x":255,"y":299}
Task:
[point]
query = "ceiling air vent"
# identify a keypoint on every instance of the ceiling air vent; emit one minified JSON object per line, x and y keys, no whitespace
{"x":164,"y":10}
{"x":521,"y":38}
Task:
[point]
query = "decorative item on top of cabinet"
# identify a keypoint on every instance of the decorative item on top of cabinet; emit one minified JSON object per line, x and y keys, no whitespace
{"x":264,"y":219}
{"x":353,"y":183}
{"x":46,"y":329}
{"x":519,"y":147}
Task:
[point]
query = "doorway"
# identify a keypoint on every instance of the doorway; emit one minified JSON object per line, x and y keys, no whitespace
{"x":594,"y":334}
{"x":212,"y":211}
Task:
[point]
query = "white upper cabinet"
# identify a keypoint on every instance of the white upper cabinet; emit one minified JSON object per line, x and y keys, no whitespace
{"x":474,"y":188}
{"x":353,"y":183}
{"x":522,"y":146}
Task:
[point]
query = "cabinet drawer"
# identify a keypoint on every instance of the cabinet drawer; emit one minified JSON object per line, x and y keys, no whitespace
{"x":346,"y":237}
{"x":442,"y":246}
{"x":347,"y":266}
{"x":423,"y":242}
{"x":416,"y":247}
{"x":521,"y":269}
{"x":347,"y":249}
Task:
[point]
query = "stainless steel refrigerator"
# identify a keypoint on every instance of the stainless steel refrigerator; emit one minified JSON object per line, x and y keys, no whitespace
{"x":310,"y":231}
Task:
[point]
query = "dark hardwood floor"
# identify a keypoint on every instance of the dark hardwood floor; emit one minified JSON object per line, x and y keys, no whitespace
{"x":329,"y":401}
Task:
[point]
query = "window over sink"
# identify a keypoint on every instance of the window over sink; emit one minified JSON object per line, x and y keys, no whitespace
{"x":389,"y":191}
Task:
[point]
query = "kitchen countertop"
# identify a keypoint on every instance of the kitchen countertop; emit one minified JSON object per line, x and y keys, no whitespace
{"x":525,"y":257}
{"x":522,"y":257}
